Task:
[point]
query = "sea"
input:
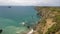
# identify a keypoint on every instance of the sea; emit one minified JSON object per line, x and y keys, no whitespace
{"x":15,"y":19}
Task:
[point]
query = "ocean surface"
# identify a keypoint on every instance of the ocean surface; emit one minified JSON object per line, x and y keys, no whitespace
{"x":12,"y":19}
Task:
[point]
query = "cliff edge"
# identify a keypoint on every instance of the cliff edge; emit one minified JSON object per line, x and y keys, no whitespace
{"x":49,"y":22}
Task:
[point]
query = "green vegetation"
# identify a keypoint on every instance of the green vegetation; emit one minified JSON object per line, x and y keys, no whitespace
{"x":48,"y":8}
{"x":55,"y":11}
{"x":55,"y":27}
{"x":43,"y":22}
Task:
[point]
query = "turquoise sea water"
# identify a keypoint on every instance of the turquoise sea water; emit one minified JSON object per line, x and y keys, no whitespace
{"x":11,"y":18}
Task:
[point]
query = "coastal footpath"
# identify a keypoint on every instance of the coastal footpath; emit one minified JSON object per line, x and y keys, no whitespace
{"x":49,"y":22}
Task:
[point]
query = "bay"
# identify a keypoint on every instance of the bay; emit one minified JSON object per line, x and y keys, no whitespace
{"x":11,"y":19}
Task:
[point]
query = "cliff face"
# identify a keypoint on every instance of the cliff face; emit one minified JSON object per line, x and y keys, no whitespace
{"x":50,"y":20}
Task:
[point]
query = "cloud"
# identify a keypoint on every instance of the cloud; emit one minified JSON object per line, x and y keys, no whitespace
{"x":30,"y":2}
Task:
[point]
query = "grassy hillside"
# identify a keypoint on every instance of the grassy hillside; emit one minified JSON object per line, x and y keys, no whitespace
{"x":54,"y":13}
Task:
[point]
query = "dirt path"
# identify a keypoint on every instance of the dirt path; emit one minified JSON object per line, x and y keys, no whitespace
{"x":49,"y":23}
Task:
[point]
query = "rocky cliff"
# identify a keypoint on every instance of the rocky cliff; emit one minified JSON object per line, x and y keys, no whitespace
{"x":49,"y":22}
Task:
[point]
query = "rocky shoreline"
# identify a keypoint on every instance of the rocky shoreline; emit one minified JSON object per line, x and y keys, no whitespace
{"x":47,"y":15}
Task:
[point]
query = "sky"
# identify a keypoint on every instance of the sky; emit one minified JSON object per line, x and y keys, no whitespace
{"x":30,"y":2}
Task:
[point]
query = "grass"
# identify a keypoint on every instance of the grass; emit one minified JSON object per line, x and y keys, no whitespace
{"x":55,"y":27}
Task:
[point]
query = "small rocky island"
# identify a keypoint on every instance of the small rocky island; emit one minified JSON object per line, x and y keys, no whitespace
{"x":9,"y":6}
{"x":50,"y":20}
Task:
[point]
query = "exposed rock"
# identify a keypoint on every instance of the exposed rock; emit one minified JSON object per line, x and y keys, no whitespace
{"x":1,"y":30}
{"x":47,"y":13}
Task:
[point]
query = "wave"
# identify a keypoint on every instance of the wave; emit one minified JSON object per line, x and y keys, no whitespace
{"x":31,"y":31}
